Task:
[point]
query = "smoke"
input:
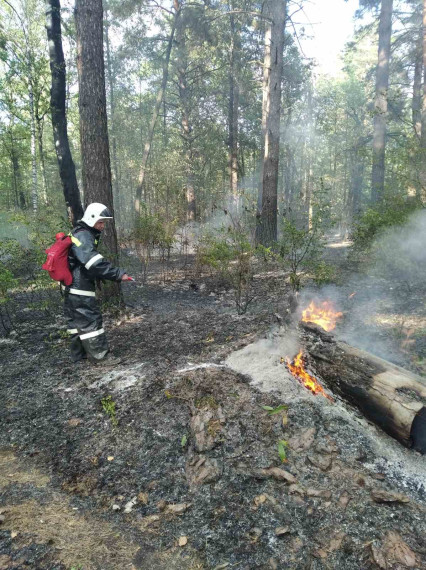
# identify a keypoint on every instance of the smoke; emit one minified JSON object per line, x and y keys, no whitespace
{"x":229,"y":213}
{"x":381,"y":304}
{"x":261,"y":361}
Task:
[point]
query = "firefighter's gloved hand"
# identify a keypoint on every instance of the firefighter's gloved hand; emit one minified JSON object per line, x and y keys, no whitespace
{"x":127,"y":278}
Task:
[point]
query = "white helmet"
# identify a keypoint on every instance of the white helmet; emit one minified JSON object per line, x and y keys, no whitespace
{"x":95,"y":212}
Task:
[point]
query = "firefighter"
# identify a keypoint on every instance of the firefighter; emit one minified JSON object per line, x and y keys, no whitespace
{"x":88,"y":339}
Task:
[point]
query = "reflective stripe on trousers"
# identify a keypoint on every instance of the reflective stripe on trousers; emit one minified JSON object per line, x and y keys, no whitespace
{"x":84,"y":316}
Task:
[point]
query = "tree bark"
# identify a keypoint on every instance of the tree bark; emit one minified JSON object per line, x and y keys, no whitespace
{"x":58,"y":111}
{"x":381,"y":102}
{"x":416,"y":105}
{"x":110,"y":75}
{"x":34,"y":177}
{"x":39,"y":131}
{"x":274,"y":46}
{"x":186,"y":126}
{"x":388,"y":395}
{"x":423,"y":118}
{"x":158,"y":102}
{"x":95,"y":157}
{"x":234,"y":92}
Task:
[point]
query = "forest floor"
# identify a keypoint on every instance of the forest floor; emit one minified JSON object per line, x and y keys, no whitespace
{"x":169,"y":460}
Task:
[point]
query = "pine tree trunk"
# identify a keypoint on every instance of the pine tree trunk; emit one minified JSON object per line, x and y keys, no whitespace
{"x":423,"y":117}
{"x":58,"y":111}
{"x":95,"y":157}
{"x":274,"y":46}
{"x":110,"y":75}
{"x":381,"y":102}
{"x":234,"y":93}
{"x":186,"y":132}
{"x":416,"y":105}
{"x":158,"y":102}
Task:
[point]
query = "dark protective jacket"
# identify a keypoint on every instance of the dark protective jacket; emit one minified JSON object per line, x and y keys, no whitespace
{"x":86,"y":264}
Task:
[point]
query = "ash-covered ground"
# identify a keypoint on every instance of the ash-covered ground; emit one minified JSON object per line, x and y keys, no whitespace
{"x":170,"y":459}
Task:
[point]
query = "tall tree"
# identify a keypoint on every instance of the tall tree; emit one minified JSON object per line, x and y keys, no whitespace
{"x":58,"y":111}
{"x":381,"y":101}
{"x":185,"y":102}
{"x":95,"y":157}
{"x":233,"y":106}
{"x":423,"y":117}
{"x":272,"y":84}
{"x":113,"y":126}
{"x":155,"y":112}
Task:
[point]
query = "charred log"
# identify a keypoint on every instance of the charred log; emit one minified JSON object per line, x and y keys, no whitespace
{"x":388,"y":395}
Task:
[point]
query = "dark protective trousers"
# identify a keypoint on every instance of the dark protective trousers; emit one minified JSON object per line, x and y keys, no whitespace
{"x":84,"y":320}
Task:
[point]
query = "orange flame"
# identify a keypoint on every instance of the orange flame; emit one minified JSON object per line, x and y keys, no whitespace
{"x":298,"y":370}
{"x":323,"y":315}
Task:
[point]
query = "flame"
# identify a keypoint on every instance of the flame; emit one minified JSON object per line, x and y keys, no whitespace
{"x":297,"y":369}
{"x":323,"y":315}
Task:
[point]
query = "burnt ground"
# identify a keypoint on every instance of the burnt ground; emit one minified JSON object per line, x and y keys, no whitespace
{"x":157,"y":464}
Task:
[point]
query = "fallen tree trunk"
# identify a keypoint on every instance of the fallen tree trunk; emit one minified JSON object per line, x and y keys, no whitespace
{"x":388,"y":395}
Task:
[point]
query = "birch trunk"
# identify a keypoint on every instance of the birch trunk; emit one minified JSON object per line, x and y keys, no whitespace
{"x":34,"y":178}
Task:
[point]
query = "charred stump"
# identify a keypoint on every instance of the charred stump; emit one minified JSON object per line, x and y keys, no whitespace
{"x":388,"y":395}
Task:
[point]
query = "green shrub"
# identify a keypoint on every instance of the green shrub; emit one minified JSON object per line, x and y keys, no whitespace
{"x":324,"y":273}
{"x":151,"y":232}
{"x":393,"y":211}
{"x":231,"y":254}
{"x":300,"y":249}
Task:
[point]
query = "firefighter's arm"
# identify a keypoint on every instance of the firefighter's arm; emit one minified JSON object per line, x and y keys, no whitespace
{"x":98,"y":267}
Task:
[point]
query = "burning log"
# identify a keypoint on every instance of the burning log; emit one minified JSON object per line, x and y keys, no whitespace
{"x":388,"y":395}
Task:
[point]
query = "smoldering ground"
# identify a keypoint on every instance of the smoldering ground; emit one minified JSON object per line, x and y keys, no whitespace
{"x":194,"y":454}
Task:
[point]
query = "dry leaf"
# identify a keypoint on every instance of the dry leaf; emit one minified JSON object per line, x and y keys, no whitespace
{"x":183,"y":540}
{"x":110,"y":458}
{"x":143,"y":498}
{"x":279,"y":531}
{"x":259,"y":500}
{"x":398,"y":551}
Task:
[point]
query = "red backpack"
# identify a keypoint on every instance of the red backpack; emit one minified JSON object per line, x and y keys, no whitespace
{"x":57,"y":259}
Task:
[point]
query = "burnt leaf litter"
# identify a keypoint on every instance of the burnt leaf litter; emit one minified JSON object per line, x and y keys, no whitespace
{"x":162,"y":463}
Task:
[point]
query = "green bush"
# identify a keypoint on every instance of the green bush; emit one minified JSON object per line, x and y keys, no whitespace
{"x":7,"y":282}
{"x":231,"y":254}
{"x":391,"y":212}
{"x":151,"y":232}
{"x":324,"y":273}
{"x":300,"y":249}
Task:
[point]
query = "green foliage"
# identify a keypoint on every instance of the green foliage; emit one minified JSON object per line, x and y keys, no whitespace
{"x":151,"y":232}
{"x":231,"y":254}
{"x":7,"y":282}
{"x":282,"y":450}
{"x":108,"y":406}
{"x":300,"y":249}
{"x":273,"y":411}
{"x":324,"y":273}
{"x":392,"y":212}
